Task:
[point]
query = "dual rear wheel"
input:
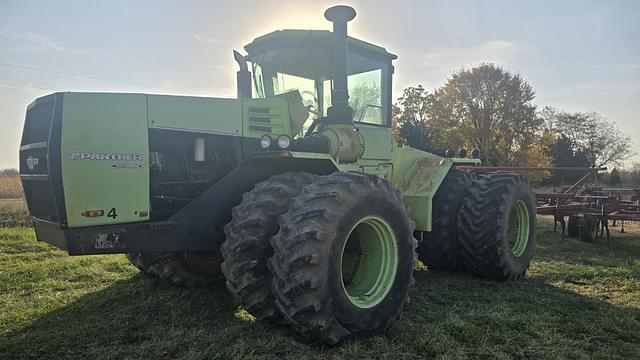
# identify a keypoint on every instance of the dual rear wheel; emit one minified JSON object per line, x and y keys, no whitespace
{"x":343,"y":258}
{"x":484,"y":224}
{"x":332,"y":256}
{"x":497,"y":226}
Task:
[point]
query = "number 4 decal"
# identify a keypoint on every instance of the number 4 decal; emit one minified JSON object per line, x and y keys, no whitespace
{"x":112,"y":213}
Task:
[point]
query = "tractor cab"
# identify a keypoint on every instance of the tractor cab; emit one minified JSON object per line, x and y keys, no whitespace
{"x":303,"y":61}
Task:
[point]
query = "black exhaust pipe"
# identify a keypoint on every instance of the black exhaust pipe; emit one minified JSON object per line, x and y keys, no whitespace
{"x":340,"y":112}
{"x":243,"y":77}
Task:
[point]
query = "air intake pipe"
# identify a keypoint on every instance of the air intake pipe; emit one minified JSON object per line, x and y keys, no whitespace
{"x":340,"y":112}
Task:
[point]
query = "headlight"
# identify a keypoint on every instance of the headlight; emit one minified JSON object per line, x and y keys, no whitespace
{"x":265,"y":141}
{"x":449,"y":153}
{"x":284,"y":141}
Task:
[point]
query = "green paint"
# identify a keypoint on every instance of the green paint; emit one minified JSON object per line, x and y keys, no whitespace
{"x":236,"y":117}
{"x":518,"y":228}
{"x":211,"y":115}
{"x":420,"y":210}
{"x":369,"y":262}
{"x":265,"y":117}
{"x":319,"y":156}
{"x":417,"y":174}
{"x":379,"y":143}
{"x":104,"y":124}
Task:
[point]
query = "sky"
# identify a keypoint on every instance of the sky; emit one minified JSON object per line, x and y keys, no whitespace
{"x":578,"y":55}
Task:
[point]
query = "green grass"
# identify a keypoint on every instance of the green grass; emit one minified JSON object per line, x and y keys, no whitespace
{"x":580,"y":301}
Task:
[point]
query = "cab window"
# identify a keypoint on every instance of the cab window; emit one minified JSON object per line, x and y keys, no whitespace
{"x":365,"y":96}
{"x":309,"y":71}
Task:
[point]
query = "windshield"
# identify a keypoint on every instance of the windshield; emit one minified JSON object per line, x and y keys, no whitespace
{"x":279,"y":83}
{"x":283,"y":70}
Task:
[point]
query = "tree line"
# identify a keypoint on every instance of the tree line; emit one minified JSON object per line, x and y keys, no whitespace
{"x":492,"y":109}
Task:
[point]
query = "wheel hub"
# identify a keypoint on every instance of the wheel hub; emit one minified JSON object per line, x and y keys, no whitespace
{"x":518,"y":229}
{"x":369,"y":262}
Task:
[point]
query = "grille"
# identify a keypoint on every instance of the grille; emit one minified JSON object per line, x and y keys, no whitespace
{"x":266,"y":120}
{"x":40,"y":159}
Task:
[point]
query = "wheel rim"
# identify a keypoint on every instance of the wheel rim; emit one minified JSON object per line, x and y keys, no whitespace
{"x":518,"y":230}
{"x":369,"y":261}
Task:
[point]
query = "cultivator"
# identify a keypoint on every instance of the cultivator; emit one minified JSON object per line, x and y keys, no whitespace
{"x":589,"y":208}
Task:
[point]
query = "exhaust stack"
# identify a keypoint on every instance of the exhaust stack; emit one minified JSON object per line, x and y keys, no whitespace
{"x":340,"y":112}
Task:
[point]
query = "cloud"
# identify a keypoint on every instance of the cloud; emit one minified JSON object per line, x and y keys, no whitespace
{"x":40,"y":42}
{"x":205,"y":39}
{"x":33,"y":42}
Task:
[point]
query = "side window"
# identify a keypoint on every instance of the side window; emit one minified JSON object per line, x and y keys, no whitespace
{"x":365,"y":96}
{"x":283,"y":83}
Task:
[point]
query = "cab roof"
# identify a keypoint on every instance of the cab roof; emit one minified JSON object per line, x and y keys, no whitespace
{"x":313,"y":39}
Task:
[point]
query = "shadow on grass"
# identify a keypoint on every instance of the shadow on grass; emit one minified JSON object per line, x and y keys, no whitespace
{"x":135,"y":318}
{"x":451,"y":315}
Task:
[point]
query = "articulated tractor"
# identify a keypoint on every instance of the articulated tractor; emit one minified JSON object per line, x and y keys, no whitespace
{"x":295,"y":194}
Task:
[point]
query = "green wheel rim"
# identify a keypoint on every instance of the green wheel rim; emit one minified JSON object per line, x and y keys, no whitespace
{"x":518,"y":230}
{"x":369,"y":262}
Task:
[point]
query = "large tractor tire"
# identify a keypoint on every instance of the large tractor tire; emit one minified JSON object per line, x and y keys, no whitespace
{"x":344,"y":258}
{"x":498,"y":226}
{"x":190,"y":269}
{"x":573,"y":226}
{"x":247,"y":248}
{"x":439,"y":249}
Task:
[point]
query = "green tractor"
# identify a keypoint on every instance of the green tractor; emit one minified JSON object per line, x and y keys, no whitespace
{"x":295,"y":193}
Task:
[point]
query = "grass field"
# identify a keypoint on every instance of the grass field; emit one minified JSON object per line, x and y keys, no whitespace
{"x":13,"y":211}
{"x":10,"y":187}
{"x":580,"y":301}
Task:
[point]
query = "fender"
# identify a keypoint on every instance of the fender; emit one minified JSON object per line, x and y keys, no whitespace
{"x":204,"y":218}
